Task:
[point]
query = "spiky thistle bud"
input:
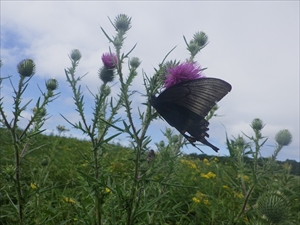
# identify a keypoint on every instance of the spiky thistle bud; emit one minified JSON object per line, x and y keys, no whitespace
{"x":257,"y":124}
{"x":26,"y":68}
{"x":193,"y":47}
{"x":106,"y":75}
{"x":135,"y":62}
{"x":175,"y":138}
{"x":122,"y":23}
{"x":75,"y":55}
{"x":162,"y":144}
{"x":240,"y":142}
{"x":283,"y":137}
{"x":105,"y":90}
{"x":51,"y":84}
{"x":201,"y":39}
{"x":274,"y":206}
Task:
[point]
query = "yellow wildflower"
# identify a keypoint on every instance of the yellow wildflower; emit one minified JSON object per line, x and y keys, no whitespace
{"x":204,"y":175}
{"x":206,"y":202}
{"x":211,"y":175}
{"x":225,"y":187}
{"x":199,"y":194}
{"x":189,"y":163}
{"x":208,"y":175}
{"x":216,"y":159}
{"x":205,"y":160}
{"x":75,"y":219}
{"x":193,"y":165}
{"x":200,"y":197}
{"x":107,"y":190}
{"x":238,"y":195}
{"x":196,"y":200}
{"x":33,"y":186}
{"x":69,"y":200}
{"x":246,"y":178}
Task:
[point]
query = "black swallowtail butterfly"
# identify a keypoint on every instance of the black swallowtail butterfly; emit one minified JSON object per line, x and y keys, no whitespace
{"x":185,"y":106}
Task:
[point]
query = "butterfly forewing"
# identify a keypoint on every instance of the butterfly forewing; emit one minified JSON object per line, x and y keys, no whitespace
{"x":198,"y":95}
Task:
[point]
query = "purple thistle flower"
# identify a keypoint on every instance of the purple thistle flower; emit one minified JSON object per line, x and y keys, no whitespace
{"x":109,"y":60}
{"x":183,"y":72}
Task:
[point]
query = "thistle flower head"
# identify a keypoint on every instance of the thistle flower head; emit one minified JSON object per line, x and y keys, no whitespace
{"x":122,"y":23}
{"x":51,"y":84}
{"x":240,"y":142}
{"x":75,"y":55}
{"x":193,"y":47}
{"x":106,"y":75}
{"x":26,"y":68}
{"x":109,"y":60}
{"x":201,"y":39}
{"x":283,"y":137}
{"x":257,"y":124}
{"x":105,"y":89}
{"x":182,"y":72}
{"x":275,"y":207}
{"x":135,"y":62}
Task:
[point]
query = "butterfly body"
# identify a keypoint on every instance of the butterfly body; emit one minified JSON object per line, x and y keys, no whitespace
{"x":186,"y":104}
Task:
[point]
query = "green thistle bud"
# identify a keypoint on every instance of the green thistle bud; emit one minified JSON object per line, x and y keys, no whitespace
{"x":193,"y":48}
{"x":257,"y":124}
{"x":240,"y":142}
{"x":105,"y":90}
{"x":274,"y":207}
{"x":51,"y":84}
{"x":135,"y":62}
{"x":162,"y":144}
{"x":122,"y":23}
{"x":106,"y":75}
{"x":175,"y":138}
{"x":75,"y":55}
{"x":26,"y":68}
{"x":283,"y":137}
{"x":201,"y":39}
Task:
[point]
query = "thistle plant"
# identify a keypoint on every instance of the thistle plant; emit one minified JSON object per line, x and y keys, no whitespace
{"x":21,"y":137}
{"x":129,"y":194}
{"x":260,"y":168}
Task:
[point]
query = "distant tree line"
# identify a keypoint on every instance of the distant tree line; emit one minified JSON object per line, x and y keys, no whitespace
{"x":294,"y":165}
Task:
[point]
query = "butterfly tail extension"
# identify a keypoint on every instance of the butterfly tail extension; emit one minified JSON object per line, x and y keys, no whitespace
{"x":204,"y":141}
{"x":192,"y":140}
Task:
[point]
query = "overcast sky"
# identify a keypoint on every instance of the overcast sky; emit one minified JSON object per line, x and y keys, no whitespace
{"x":252,"y":45}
